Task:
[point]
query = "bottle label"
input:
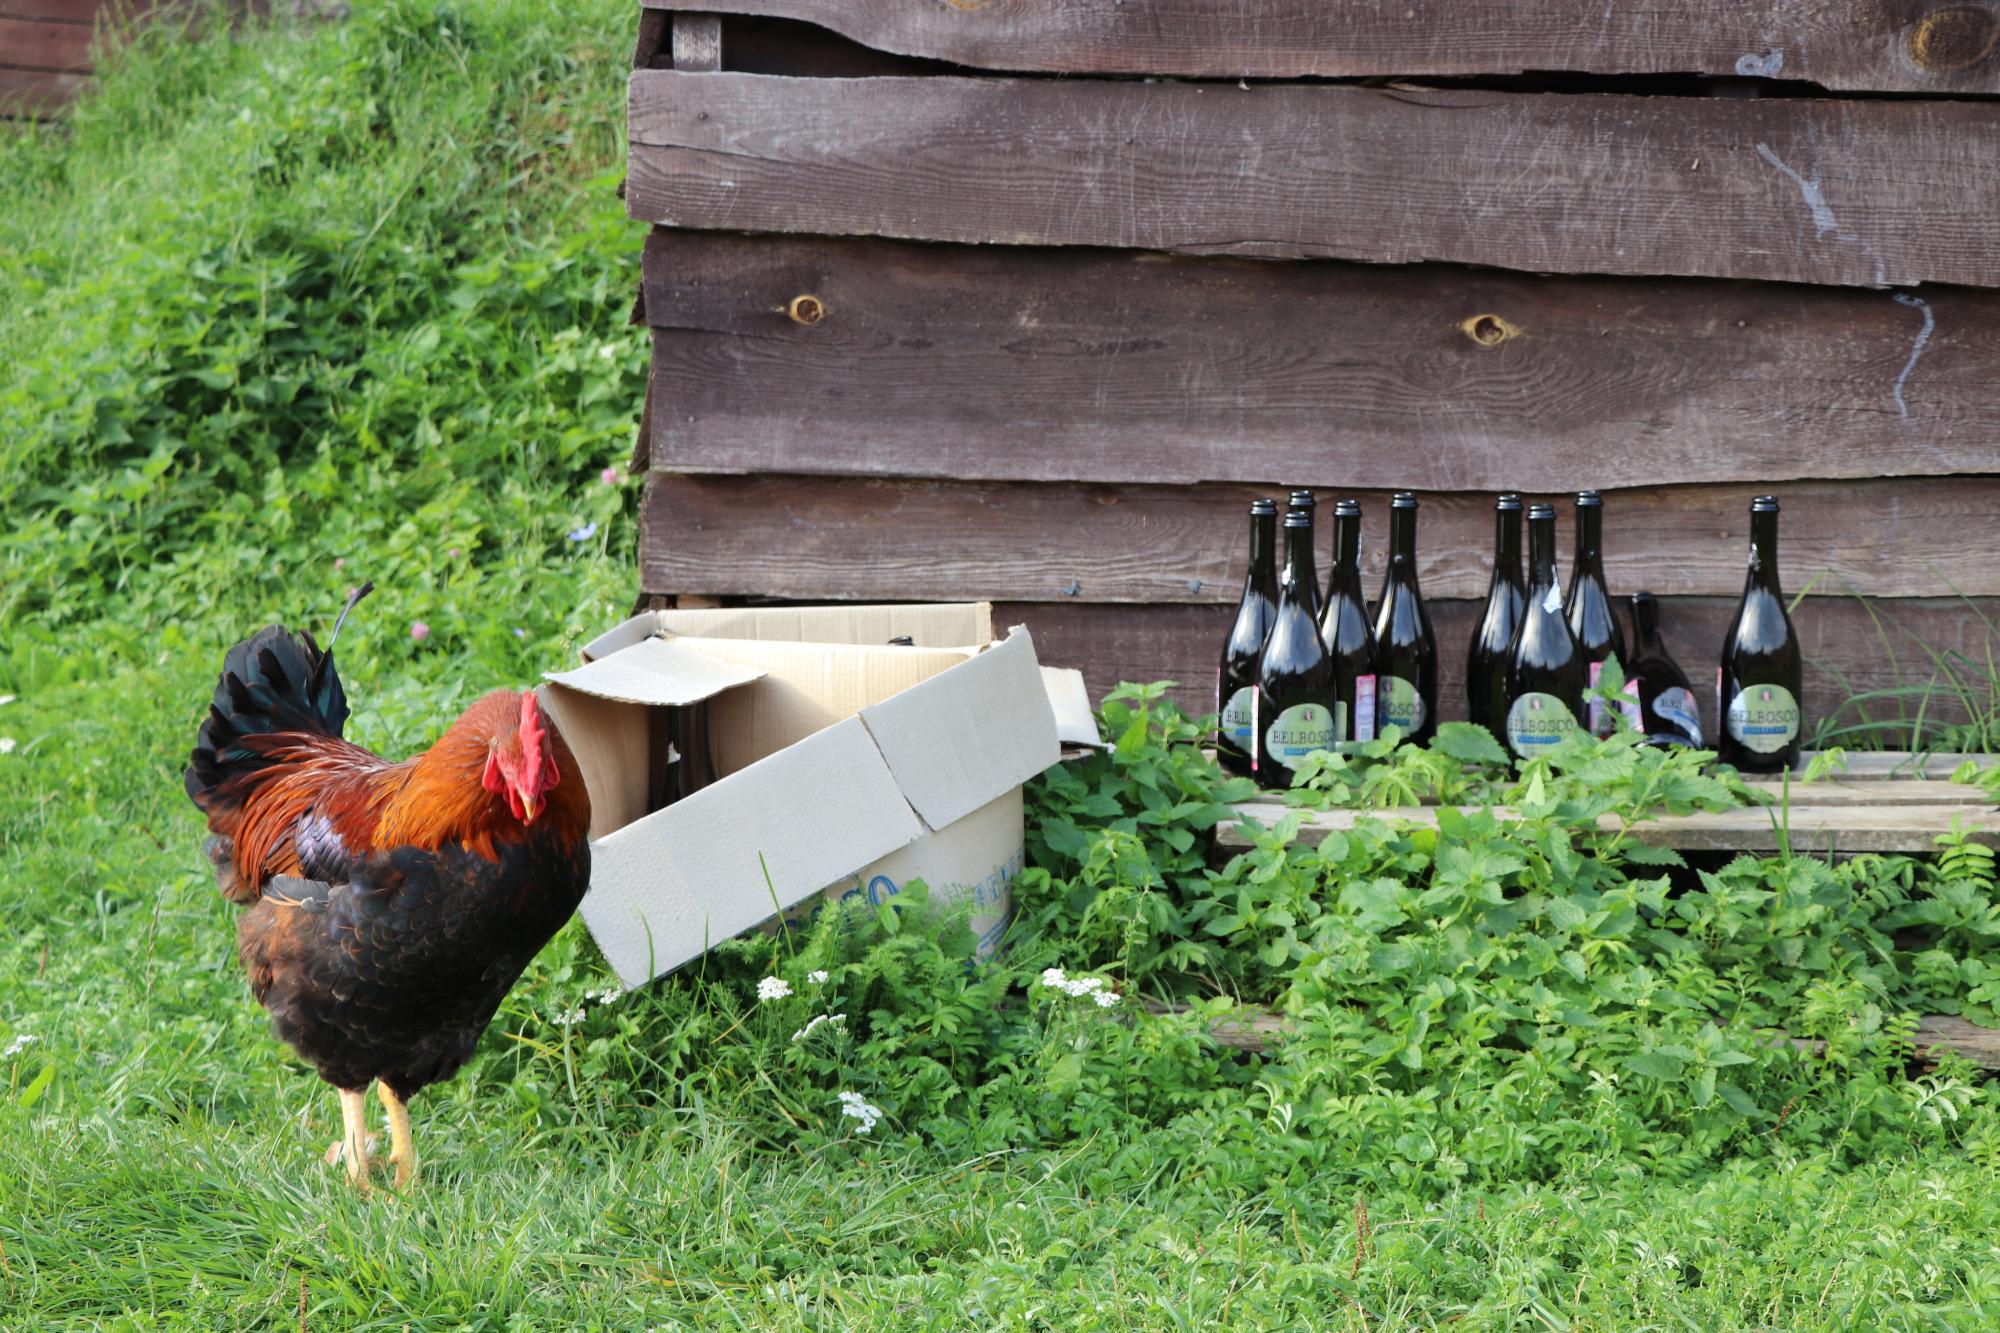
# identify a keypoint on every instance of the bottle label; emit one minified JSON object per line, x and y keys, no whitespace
{"x":1364,"y":708}
{"x":1537,"y":721}
{"x":1237,"y":724}
{"x":1297,"y":732}
{"x":1763,"y":719}
{"x":1676,"y":705}
{"x":1398,"y":703}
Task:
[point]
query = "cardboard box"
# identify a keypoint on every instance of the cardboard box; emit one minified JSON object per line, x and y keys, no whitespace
{"x":846,"y":766}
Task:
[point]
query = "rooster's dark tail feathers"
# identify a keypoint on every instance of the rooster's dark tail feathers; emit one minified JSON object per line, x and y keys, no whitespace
{"x":274,"y":681}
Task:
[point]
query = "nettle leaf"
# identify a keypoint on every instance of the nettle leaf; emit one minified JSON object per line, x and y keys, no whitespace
{"x":1469,"y":743}
{"x":1645,"y":854}
{"x":1657,"y":1064}
{"x":1566,"y":913}
{"x":1738,"y":1100}
{"x":1376,"y":903}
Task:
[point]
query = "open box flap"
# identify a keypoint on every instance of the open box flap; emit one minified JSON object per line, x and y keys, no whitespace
{"x":656,"y":671}
{"x":680,"y":881}
{"x":960,"y":739}
{"x":1068,"y":696}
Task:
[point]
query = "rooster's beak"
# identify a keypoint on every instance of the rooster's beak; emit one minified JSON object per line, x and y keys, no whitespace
{"x":529,"y":809}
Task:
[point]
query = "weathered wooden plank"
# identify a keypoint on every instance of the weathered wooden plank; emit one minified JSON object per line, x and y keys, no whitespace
{"x":1254,"y":1028}
{"x":57,"y":11}
{"x":1841,"y":829}
{"x":1927,"y":792}
{"x":1093,"y":365}
{"x":1869,"y":192}
{"x":39,"y":44}
{"x":842,"y":538}
{"x":1884,"y":45}
{"x":697,"y":42}
{"x":33,"y":92}
{"x":1845,"y":645}
{"x":1896,"y":766}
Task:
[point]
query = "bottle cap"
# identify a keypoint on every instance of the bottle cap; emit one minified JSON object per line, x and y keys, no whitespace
{"x":1347,"y":508}
{"x":1643,"y":598}
{"x":1589,"y":498}
{"x":1403,"y":500}
{"x":1509,"y":500}
{"x":1764,"y":504}
{"x":1298,"y":518}
{"x":1303,"y":500}
{"x":1541,"y":511}
{"x":1264,"y":507}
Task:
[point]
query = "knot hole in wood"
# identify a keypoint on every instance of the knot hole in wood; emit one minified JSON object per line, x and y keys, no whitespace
{"x":806,"y":309}
{"x":1955,"y":37}
{"x":1488,"y":330}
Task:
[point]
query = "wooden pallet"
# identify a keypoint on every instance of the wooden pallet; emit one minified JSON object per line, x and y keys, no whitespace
{"x":1258,"y":1029}
{"x":1883,"y":803}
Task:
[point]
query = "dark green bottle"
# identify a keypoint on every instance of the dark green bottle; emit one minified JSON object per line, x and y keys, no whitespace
{"x":1236,"y":679}
{"x":1761,"y":688}
{"x":1667,"y":710}
{"x":1306,"y":503}
{"x":1343,"y":628}
{"x":1493,"y":636}
{"x":1295,"y":677}
{"x":1406,"y":677}
{"x":1546,"y":670}
{"x":1591,"y":616}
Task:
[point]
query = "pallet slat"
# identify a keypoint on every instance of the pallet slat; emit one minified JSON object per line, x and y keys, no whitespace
{"x":1863,"y":45}
{"x":1844,"y":828}
{"x":1798,"y":190}
{"x":843,"y":538}
{"x":1856,"y":791}
{"x":1103,"y":366}
{"x":1257,"y":1029}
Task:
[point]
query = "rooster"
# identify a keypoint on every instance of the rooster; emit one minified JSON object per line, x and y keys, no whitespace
{"x":390,"y":906}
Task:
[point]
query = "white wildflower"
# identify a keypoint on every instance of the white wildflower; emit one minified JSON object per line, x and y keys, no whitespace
{"x":570,"y":1017}
{"x":817,"y":976}
{"x":1078,"y":987}
{"x":19,"y":1044}
{"x":831,"y":1020}
{"x":773,"y":988}
{"x":855,"y":1105}
{"x":6,"y":699}
{"x":608,"y":994}
{"x":7,"y":744}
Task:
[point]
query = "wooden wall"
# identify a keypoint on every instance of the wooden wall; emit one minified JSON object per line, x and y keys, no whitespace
{"x":930,"y":323}
{"x":46,"y":52}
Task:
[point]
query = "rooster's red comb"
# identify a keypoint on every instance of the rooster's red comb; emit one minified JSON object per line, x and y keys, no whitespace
{"x":538,"y":766}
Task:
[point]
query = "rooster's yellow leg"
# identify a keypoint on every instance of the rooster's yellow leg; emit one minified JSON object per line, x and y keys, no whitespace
{"x":402,"y":1146}
{"x":354,"y":1143}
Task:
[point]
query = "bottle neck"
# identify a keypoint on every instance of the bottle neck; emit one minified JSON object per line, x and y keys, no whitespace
{"x":1507,"y":547}
{"x":1541,"y":557}
{"x":1764,"y":551}
{"x":1263,"y":575}
{"x":1346,"y":546}
{"x":1300,"y":580}
{"x":1645,"y":623}
{"x":1403,"y":537}
{"x":1590,"y":541}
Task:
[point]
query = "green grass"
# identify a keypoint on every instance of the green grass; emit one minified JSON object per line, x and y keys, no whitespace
{"x":282,"y":314}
